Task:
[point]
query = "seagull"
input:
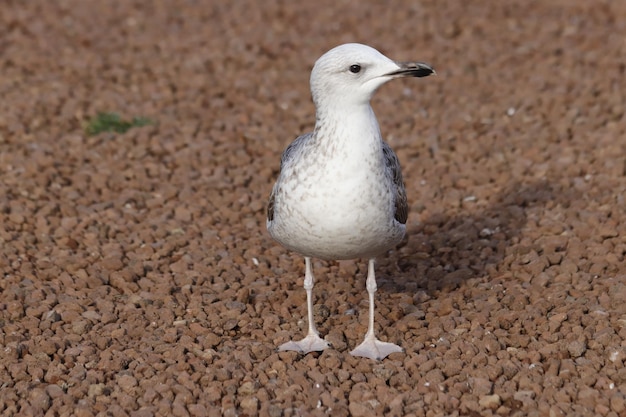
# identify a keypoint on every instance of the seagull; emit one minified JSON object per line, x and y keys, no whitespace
{"x":339,"y":194}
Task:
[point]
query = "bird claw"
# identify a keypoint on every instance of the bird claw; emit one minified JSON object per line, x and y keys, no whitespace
{"x":311,"y":343}
{"x":375,"y":349}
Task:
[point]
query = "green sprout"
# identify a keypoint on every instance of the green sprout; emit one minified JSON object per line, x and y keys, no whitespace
{"x":112,"y":122}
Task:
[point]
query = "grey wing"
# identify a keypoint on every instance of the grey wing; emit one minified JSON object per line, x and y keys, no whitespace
{"x":393,"y":164}
{"x":284,"y":159}
{"x":293,"y":147}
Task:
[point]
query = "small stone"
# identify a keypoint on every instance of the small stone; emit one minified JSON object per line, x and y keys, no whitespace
{"x":274,"y":411}
{"x":127,"y":383}
{"x":490,"y":401}
{"x":113,"y":263}
{"x":182,"y":214}
{"x":359,"y":409}
{"x":213,"y":393}
{"x":576,"y":348}
{"x":83,"y":412}
{"x":95,"y":390}
{"x":80,"y":327}
{"x":197,"y":410}
{"x":607,"y":232}
{"x":54,"y":391}
{"x":92,"y":315}
{"x":524,"y":396}
{"x":588,"y":397}
{"x":480,"y":386}
{"x":618,"y":403}
{"x":16,"y":218}
{"x":40,"y":399}
{"x":179,"y":409}
{"x":558,"y":317}
{"x":249,"y":404}
{"x":247,"y":388}
{"x":48,"y":346}
{"x":382,"y":372}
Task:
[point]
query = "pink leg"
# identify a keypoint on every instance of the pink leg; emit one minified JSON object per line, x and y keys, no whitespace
{"x":312,"y":342}
{"x":372,"y":347}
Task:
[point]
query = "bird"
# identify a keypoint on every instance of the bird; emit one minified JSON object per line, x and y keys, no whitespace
{"x":339,"y":193}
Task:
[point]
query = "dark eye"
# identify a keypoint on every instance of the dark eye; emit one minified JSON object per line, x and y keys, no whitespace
{"x":355,"y":68}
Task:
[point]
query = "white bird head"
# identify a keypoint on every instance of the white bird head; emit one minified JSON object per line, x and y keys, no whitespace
{"x":350,"y":74}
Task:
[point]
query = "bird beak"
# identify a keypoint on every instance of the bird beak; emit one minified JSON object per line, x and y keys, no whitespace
{"x":412,"y":69}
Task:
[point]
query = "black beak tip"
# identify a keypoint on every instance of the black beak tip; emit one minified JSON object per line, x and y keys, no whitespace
{"x":414,"y":69}
{"x":424,"y":71}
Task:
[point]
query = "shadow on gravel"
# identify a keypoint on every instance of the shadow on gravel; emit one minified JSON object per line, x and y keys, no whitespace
{"x":443,"y":252}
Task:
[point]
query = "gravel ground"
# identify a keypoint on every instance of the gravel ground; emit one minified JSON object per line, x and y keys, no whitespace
{"x":139,"y":280}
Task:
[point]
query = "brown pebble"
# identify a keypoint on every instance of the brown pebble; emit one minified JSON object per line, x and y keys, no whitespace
{"x":490,"y":401}
{"x":127,"y":383}
{"x":576,"y":348}
{"x":618,"y":402}
{"x":96,"y":390}
{"x":39,"y":399}
{"x":480,"y":386}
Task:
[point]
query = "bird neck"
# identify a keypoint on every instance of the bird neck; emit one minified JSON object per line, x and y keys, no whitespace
{"x":353,"y":126}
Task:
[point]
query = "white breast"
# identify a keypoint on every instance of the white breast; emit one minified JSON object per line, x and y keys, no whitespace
{"x":335,"y":200}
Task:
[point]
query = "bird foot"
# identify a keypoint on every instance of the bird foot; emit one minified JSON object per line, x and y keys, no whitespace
{"x":311,"y":343}
{"x":375,"y":349}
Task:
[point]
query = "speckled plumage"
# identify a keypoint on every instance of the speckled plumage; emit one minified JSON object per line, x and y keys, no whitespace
{"x":339,"y":194}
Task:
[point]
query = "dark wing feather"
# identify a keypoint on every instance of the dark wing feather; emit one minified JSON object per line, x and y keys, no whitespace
{"x":393,"y":164}
{"x":284,"y":159}
{"x":270,"y":206}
